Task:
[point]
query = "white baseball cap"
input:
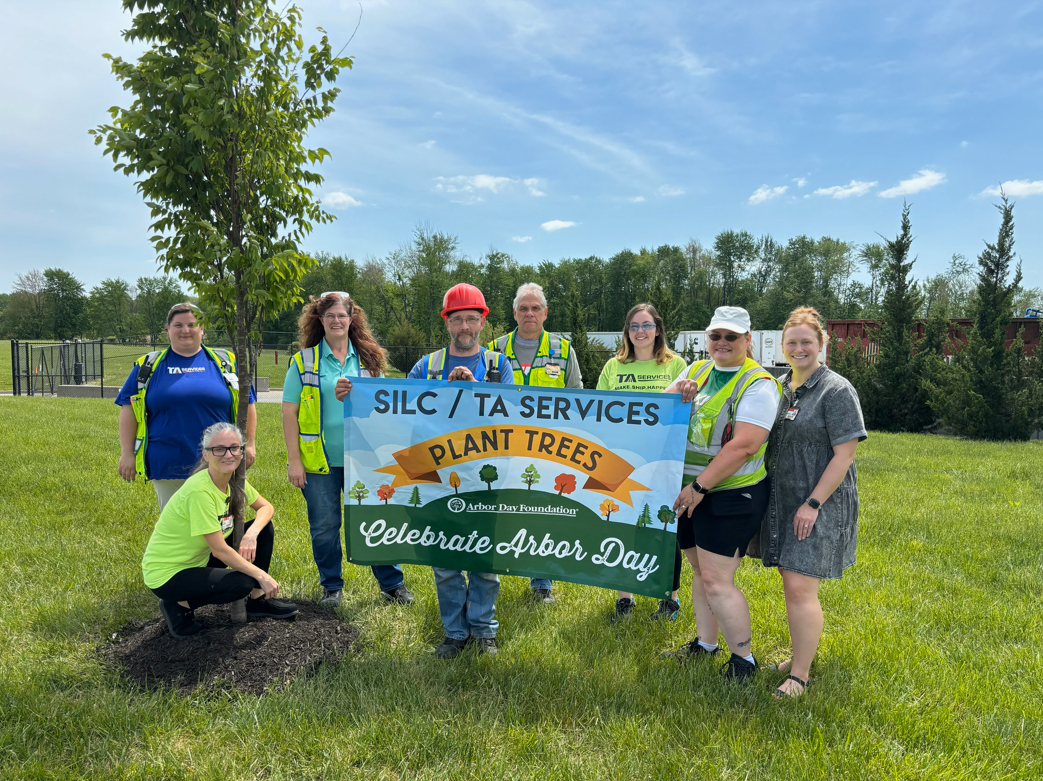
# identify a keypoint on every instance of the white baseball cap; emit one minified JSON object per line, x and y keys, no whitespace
{"x":730,"y":318}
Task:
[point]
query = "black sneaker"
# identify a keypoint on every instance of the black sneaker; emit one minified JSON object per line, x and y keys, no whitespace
{"x":667,"y":610}
{"x":624,"y":607}
{"x":331,"y":597}
{"x":180,"y":620}
{"x":486,"y":645}
{"x":399,"y":595}
{"x":738,"y":669}
{"x":543,"y":595}
{"x":689,"y":650}
{"x":450,"y":648}
{"x":263,"y":607}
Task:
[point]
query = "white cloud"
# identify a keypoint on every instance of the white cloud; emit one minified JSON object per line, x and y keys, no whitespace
{"x":429,"y":144}
{"x":924,"y":180}
{"x":494,"y":184}
{"x":765,"y":193}
{"x":556,"y":225}
{"x":638,"y":199}
{"x":670,"y":190}
{"x":534,"y":187}
{"x":846,"y":190}
{"x":1016,"y":188}
{"x":339,"y":201}
{"x":801,"y":181}
{"x":521,"y":239}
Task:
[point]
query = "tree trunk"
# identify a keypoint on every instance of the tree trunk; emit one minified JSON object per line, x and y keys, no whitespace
{"x":237,"y":610}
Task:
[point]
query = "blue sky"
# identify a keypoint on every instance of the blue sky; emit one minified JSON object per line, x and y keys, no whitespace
{"x":561,"y":129}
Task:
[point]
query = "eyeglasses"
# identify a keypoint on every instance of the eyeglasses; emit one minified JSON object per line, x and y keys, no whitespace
{"x":471,"y":321}
{"x":716,"y":337}
{"x":220,"y":450}
{"x":332,"y":316}
{"x":635,"y":327}
{"x":338,"y":293}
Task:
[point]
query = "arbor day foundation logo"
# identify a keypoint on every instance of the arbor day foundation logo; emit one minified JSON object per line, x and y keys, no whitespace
{"x":456,"y":504}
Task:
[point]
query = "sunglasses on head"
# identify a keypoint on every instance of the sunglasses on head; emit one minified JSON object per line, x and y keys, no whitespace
{"x":716,"y":337}
{"x":338,"y":293}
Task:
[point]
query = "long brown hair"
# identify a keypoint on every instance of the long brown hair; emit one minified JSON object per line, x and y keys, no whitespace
{"x":310,"y":331}
{"x":627,"y":352}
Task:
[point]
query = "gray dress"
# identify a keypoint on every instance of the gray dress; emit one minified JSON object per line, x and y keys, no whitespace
{"x":798,"y":451}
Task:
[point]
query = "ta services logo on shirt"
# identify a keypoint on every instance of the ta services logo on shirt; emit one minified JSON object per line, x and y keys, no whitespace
{"x":185,"y":370}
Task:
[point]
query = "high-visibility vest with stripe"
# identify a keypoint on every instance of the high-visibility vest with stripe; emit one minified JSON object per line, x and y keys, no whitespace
{"x":311,"y":440}
{"x":712,"y":423}
{"x":146,"y":364}
{"x":552,"y":350}
{"x":433,"y":365}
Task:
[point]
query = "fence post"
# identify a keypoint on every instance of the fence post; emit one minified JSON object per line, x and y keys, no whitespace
{"x":16,"y":386}
{"x":29,"y":369}
{"x":101,"y":364}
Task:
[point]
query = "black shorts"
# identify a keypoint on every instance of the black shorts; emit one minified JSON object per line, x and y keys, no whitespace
{"x":725,"y":521}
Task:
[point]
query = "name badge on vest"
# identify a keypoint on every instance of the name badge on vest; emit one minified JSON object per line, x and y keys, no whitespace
{"x":791,"y":413}
{"x":552,"y":370}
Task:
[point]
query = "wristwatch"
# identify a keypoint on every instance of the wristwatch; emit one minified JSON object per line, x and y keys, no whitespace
{"x":698,"y":488}
{"x":814,"y":504}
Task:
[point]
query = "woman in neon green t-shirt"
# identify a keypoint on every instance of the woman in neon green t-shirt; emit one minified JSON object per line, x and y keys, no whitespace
{"x":187,"y":560}
{"x":644,"y":363}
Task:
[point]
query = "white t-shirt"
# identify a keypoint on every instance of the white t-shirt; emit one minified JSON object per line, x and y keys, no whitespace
{"x":759,"y":404}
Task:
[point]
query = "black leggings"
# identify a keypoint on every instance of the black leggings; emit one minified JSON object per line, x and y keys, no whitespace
{"x":678,"y":561}
{"x":215,"y":584}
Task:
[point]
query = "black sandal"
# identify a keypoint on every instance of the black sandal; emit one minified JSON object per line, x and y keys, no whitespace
{"x":779,"y":693}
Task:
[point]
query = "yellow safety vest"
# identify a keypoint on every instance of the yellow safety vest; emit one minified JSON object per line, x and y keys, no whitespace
{"x":712,"y":421}
{"x":146,"y":364}
{"x":432,"y":365}
{"x":311,"y":440}
{"x":553,"y":350}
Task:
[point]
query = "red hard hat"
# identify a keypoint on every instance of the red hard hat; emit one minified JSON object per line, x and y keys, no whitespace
{"x":463,"y":296}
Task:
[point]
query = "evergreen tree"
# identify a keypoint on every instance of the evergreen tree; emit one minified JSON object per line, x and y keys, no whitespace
{"x":590,"y":362}
{"x":991,"y":391}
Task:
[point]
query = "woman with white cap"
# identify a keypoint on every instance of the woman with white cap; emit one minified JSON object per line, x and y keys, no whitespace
{"x":725,"y":485}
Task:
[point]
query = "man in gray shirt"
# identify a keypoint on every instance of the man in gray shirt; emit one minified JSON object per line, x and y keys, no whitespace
{"x":540,"y":359}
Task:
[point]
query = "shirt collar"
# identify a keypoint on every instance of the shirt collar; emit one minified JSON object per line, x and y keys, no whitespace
{"x":811,"y":381}
{"x":328,"y":353}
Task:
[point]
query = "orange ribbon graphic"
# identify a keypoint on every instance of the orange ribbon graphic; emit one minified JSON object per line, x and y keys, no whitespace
{"x":606,"y":472}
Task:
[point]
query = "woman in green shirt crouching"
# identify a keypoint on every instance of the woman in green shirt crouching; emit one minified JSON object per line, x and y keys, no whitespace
{"x":187,"y":560}
{"x":644,"y":363}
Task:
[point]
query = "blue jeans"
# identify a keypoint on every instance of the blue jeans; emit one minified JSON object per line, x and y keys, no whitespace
{"x":467,"y":609}
{"x":322,"y":493}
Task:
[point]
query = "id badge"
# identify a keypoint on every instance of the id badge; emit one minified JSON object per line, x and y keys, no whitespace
{"x":552,"y":370}
{"x":791,"y":413}
{"x":227,"y":521}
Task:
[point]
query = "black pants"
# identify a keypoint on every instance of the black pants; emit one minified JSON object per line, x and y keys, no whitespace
{"x":678,"y":561}
{"x":215,"y":584}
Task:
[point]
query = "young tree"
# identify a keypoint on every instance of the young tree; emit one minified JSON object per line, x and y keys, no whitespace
{"x":645,"y":518}
{"x":66,"y":304}
{"x":488,"y":475}
{"x":530,"y":476}
{"x":358,"y":492}
{"x":565,"y":483}
{"x":608,"y":507}
{"x":223,"y":99}
{"x":454,"y":482}
{"x":385,"y":492}
{"x":666,"y":515}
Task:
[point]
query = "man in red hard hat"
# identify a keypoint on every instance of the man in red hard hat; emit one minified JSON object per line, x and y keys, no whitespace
{"x":467,"y":604}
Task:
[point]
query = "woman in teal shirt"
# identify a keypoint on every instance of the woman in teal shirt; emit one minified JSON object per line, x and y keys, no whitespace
{"x":335,"y":343}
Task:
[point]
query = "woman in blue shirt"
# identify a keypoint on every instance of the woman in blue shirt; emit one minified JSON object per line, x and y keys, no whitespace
{"x":187,"y":390}
{"x":335,"y":343}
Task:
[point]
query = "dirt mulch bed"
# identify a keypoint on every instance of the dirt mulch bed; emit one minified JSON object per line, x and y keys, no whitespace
{"x":247,"y":657}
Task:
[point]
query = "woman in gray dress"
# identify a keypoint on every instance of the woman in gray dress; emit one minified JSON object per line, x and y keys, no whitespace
{"x":810,"y":526}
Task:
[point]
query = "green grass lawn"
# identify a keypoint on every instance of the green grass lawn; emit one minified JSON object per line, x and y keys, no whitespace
{"x":5,"y":365}
{"x":930,"y":666}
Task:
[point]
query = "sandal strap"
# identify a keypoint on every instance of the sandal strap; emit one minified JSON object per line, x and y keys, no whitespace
{"x":798,"y":680}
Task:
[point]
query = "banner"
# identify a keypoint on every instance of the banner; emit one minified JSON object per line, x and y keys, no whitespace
{"x":570,"y":485}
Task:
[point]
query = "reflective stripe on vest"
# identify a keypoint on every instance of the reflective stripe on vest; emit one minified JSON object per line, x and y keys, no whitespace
{"x":310,"y":439}
{"x":147,"y":364}
{"x":550,"y":347}
{"x":711,"y":423}
{"x":432,"y":365}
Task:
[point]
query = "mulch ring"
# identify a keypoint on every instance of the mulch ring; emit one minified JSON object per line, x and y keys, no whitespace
{"x":246,"y":657}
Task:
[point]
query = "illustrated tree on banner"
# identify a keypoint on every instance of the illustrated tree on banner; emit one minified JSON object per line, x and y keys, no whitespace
{"x":666,"y":515}
{"x":565,"y":483}
{"x":385,"y":492}
{"x":414,"y":498}
{"x":488,"y":475}
{"x":608,"y":507}
{"x":454,"y":482}
{"x":358,"y":492}
{"x":530,"y":476}
{"x":644,"y":520}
